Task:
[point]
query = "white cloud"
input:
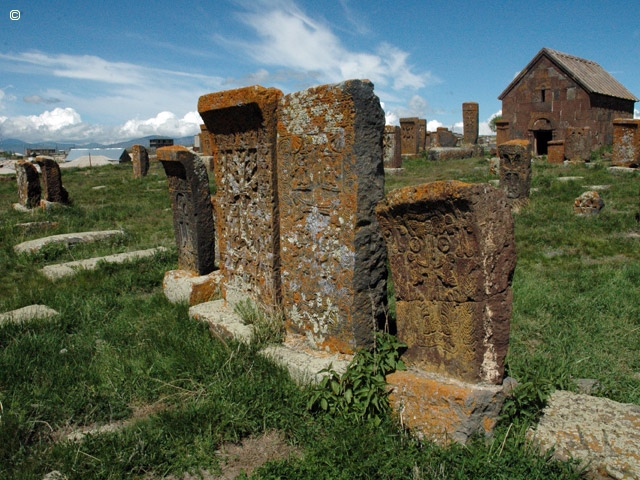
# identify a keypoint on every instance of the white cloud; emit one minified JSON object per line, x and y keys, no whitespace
{"x":108,"y":92}
{"x":291,"y":39}
{"x":65,"y":124}
{"x":165,"y":123}
{"x":636,"y":113}
{"x":432,"y":125}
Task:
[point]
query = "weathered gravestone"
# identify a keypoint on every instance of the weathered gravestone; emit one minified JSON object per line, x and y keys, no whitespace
{"x":29,"y":190}
{"x":451,"y":251}
{"x":330,"y":177}
{"x":242,"y":130}
{"x":626,"y":143}
{"x":422,"y":135}
{"x":577,"y":144}
{"x":445,"y":137}
{"x":52,"y":180}
{"x":392,"y":154}
{"x":192,"y":212}
{"x":470,"y":123}
{"x":555,"y":151}
{"x":140,"y":159}
{"x":515,"y":170}
{"x":410,"y":135}
{"x":502,"y":131}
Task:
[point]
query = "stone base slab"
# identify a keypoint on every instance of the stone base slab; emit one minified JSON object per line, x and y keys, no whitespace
{"x":183,"y":286}
{"x":27,"y":313}
{"x":303,"y":362}
{"x":442,"y":409}
{"x":223,"y":321}
{"x":54,"y":272}
{"x":604,"y":435}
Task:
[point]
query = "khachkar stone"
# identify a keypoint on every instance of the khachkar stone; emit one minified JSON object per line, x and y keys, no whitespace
{"x":242,"y":126}
{"x":515,"y":170}
{"x":422,"y":135}
{"x":330,"y":177}
{"x":470,"y":122}
{"x":140,"y":158}
{"x":52,"y":180}
{"x":410,"y":135}
{"x":626,"y":143}
{"x":502,"y":131}
{"x":452,"y":255}
{"x":577,"y":144}
{"x":392,"y":156}
{"x":192,"y":211}
{"x":29,"y":190}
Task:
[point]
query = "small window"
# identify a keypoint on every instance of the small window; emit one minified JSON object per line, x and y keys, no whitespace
{"x":543,"y":95}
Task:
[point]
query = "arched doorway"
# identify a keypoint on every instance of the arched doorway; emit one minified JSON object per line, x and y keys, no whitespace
{"x":542,"y":132}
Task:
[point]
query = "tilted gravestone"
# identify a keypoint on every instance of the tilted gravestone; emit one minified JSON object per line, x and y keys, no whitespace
{"x":52,"y":180}
{"x":242,"y":131}
{"x":330,"y":177}
{"x":515,"y":170}
{"x":451,"y":251}
{"x":192,"y":211}
{"x":140,"y":160}
{"x":29,"y":190}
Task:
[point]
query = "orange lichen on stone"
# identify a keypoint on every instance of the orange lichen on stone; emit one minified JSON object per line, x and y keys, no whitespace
{"x":330,"y":178}
{"x":241,"y":127}
{"x":442,"y":409}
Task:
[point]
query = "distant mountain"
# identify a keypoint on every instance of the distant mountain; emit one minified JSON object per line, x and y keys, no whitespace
{"x":19,"y":146}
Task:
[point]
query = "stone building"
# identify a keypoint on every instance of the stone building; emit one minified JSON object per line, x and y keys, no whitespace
{"x":556,"y":91}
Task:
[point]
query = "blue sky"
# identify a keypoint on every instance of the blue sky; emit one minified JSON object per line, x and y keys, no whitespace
{"x":113,"y":70}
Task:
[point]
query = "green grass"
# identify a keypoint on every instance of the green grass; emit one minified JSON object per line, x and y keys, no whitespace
{"x":118,"y":347}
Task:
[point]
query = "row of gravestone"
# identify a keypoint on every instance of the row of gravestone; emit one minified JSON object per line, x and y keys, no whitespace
{"x":30,"y":191}
{"x":302,"y":225}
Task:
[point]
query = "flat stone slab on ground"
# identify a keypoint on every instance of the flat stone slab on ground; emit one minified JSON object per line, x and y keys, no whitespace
{"x":569,"y":179}
{"x":304,"y":363}
{"x":393,"y":171}
{"x":603,"y":434}
{"x":27,"y":313}
{"x":53,"y":272}
{"x":33,"y":246}
{"x":223,"y":321}
{"x":622,"y":170}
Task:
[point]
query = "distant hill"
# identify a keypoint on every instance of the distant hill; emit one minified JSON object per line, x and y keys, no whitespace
{"x":19,"y":146}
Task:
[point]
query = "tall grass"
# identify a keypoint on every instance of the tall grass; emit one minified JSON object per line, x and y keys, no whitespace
{"x":119,"y":352}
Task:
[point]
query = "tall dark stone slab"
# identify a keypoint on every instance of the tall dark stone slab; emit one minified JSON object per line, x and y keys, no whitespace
{"x":330,"y":177}
{"x":29,"y":190}
{"x":452,"y":255}
{"x":52,"y":180}
{"x":192,"y":212}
